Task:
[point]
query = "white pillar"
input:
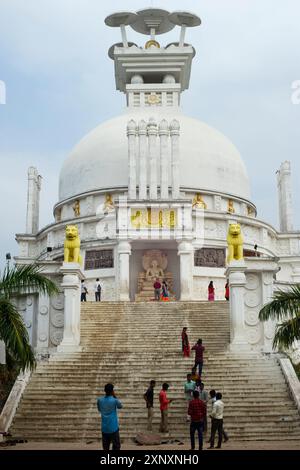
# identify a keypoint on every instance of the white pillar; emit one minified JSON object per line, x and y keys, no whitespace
{"x":284,"y":184}
{"x":72,"y":276}
{"x":163,"y":134}
{"x":142,"y":131}
{"x":33,"y":201}
{"x":124,"y":35}
{"x":152,"y":138}
{"x":269,"y":325}
{"x":43,"y":320}
{"x":2,"y":353}
{"x":186,"y":253}
{"x":131,"y":133}
{"x":182,"y":35}
{"x":124,"y":252}
{"x":175,"y":131}
{"x":237,"y":282}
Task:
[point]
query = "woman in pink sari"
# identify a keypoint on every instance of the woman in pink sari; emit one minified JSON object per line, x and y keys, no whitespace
{"x":211,"y":291}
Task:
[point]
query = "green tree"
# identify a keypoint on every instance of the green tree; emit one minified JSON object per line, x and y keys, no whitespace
{"x":13,"y":283}
{"x":285,"y":309}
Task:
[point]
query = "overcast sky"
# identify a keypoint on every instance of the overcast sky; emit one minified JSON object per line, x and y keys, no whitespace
{"x":60,"y":84}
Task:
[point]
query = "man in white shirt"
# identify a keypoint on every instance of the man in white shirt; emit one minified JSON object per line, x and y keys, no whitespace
{"x":217,"y":421}
{"x":97,"y":289}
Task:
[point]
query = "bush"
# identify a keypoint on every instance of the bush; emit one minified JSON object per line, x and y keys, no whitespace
{"x":8,"y":374}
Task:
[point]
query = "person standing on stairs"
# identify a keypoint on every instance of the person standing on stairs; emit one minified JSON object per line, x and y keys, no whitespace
{"x":189,"y":388}
{"x":203,"y":395}
{"x":157,"y":287}
{"x":148,"y":396}
{"x":199,"y":350}
{"x":197,"y":412}
{"x":227,"y":290}
{"x":107,"y":407}
{"x":164,"y":406}
{"x":195,"y":375}
{"x":217,"y":421}
{"x":84,"y":291}
{"x":211,"y":291}
{"x":185,"y":343}
{"x":97,"y":288}
{"x":212,"y":400}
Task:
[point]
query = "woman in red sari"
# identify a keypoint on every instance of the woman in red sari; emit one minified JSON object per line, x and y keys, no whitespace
{"x":227,"y":290}
{"x":211,"y":291}
{"x":185,"y":343}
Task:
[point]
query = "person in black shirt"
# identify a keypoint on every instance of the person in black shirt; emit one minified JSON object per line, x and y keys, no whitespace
{"x":148,"y":396}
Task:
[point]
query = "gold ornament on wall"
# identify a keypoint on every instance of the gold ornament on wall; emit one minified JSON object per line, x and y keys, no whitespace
{"x":198,"y":202}
{"x":108,"y":205}
{"x":231,"y":208}
{"x":76,"y":208}
{"x":58,"y":214}
{"x":250,"y":211}
{"x":151,"y":43}
{"x":153,"y":99}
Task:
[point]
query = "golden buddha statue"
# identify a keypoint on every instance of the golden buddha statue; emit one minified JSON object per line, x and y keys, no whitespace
{"x":198,"y":202}
{"x":108,"y":205}
{"x":58,"y":215}
{"x":76,"y":208}
{"x":250,"y":211}
{"x":230,"y":208}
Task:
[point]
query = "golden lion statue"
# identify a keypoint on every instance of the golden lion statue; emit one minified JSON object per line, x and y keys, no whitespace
{"x":72,"y":245}
{"x":235,"y":243}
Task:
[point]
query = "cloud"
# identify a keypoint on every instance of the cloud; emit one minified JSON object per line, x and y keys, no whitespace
{"x":60,"y":84}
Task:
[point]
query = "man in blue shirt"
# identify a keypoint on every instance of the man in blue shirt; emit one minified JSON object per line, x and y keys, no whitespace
{"x":107,"y":407}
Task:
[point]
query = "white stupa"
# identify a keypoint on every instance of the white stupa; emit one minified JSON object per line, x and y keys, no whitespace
{"x":153,"y":184}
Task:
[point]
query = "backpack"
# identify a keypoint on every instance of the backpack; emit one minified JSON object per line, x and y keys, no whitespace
{"x":98,"y":288}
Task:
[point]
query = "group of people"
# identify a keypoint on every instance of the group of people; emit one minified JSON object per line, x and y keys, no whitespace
{"x":211,"y":291}
{"x":197,"y":398}
{"x":97,"y":291}
{"x":161,"y":290}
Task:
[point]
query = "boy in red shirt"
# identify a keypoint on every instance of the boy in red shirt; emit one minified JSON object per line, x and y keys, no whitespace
{"x":164,"y":405}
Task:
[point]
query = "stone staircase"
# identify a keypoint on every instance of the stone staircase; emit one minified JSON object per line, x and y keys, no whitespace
{"x":129,"y":344}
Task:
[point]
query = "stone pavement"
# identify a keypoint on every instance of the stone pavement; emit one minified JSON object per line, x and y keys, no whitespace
{"x":230,"y":445}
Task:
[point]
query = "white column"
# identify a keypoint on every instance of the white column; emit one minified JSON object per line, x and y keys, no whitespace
{"x":33,"y":201}
{"x":142,"y":132}
{"x":270,"y":325}
{"x":152,"y":138}
{"x":237,"y":282}
{"x":182,"y":35}
{"x":124,"y":252}
{"x":175,"y":131}
{"x":284,"y":183}
{"x":186,"y":253}
{"x":124,"y":35}
{"x":43,"y":319}
{"x":2,"y":353}
{"x":72,"y":277}
{"x":163,"y":134}
{"x":131,"y":133}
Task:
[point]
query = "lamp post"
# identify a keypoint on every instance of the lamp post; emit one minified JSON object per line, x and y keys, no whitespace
{"x":8,"y":258}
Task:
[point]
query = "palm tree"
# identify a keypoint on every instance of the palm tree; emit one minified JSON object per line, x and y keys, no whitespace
{"x":13,"y":282}
{"x":285,"y":308}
